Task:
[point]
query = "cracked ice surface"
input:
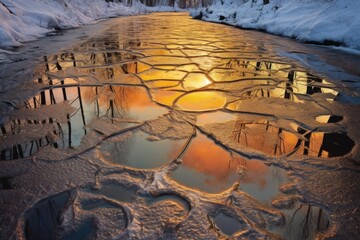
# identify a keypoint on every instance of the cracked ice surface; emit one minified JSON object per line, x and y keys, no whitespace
{"x":150,"y":132}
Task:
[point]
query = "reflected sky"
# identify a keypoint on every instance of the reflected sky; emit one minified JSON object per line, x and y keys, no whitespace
{"x":202,"y":101}
{"x":138,"y":150}
{"x":209,"y":167}
{"x":226,"y":224}
{"x":115,"y":103}
{"x":214,"y":117}
{"x":110,"y":102}
{"x":264,"y":137}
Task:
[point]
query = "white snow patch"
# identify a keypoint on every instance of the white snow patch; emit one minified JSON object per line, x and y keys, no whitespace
{"x":348,"y":50}
{"x":337,"y":21}
{"x":27,"y":20}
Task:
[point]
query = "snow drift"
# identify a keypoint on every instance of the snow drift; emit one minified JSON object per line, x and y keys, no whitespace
{"x":323,"y":21}
{"x":26,"y":20}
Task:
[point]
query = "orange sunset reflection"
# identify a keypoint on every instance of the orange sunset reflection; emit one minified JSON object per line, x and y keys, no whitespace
{"x":129,"y":102}
{"x":126,"y":97}
{"x":264,"y":137}
{"x":202,"y":101}
{"x":210,"y":168}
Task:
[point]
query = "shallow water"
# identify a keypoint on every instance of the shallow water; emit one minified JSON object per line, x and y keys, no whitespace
{"x":140,"y":132}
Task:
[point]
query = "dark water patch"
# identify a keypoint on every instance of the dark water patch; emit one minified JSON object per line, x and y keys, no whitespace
{"x":43,"y":220}
{"x":336,"y":145}
{"x":350,"y":81}
{"x":93,"y":204}
{"x":327,"y":145}
{"x":329,"y":118}
{"x":86,"y":230}
{"x":5,"y":183}
{"x":347,"y":99}
{"x":117,"y":192}
{"x":226,"y":224}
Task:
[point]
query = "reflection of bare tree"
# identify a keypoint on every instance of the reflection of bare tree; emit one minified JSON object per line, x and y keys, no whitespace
{"x":81,"y":108}
{"x":26,"y":149}
{"x":333,"y":144}
{"x":241,"y":163}
{"x":97,"y":106}
{"x":305,"y":222}
{"x":43,"y":219}
{"x":246,"y":133}
{"x":273,"y":140}
{"x":309,"y":83}
{"x":306,"y":141}
{"x":69,"y":127}
{"x":240,"y":129}
{"x":279,"y":147}
{"x":117,"y":151}
{"x":15,"y":127}
{"x":113,"y":99}
{"x":288,"y":89}
{"x":312,"y":89}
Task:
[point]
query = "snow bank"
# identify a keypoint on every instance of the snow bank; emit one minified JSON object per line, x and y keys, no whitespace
{"x":322,"y":21}
{"x":26,"y":20}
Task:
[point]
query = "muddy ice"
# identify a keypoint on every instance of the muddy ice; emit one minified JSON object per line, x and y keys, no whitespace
{"x":179,"y":129}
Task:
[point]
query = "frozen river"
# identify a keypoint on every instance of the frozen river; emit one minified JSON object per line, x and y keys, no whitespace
{"x":164,"y":127}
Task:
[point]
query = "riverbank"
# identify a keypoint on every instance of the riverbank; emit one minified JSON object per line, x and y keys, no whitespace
{"x":327,"y":22}
{"x":23,"y":20}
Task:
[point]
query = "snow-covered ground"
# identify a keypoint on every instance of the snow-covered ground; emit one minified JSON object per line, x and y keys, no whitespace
{"x":321,"y":21}
{"x":27,"y":20}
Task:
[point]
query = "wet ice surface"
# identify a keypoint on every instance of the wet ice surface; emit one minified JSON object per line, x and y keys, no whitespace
{"x":179,"y":129}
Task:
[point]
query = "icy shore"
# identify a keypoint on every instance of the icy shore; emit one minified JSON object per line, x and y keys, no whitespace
{"x":26,"y":20}
{"x":334,"y":22}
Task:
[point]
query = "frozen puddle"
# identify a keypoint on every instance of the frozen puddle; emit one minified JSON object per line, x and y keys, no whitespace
{"x":304,"y":222}
{"x":226,"y":224}
{"x":43,"y":219}
{"x":139,"y":150}
{"x":116,"y":192}
{"x":217,"y":169}
{"x":188,"y":133}
{"x":61,"y":117}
